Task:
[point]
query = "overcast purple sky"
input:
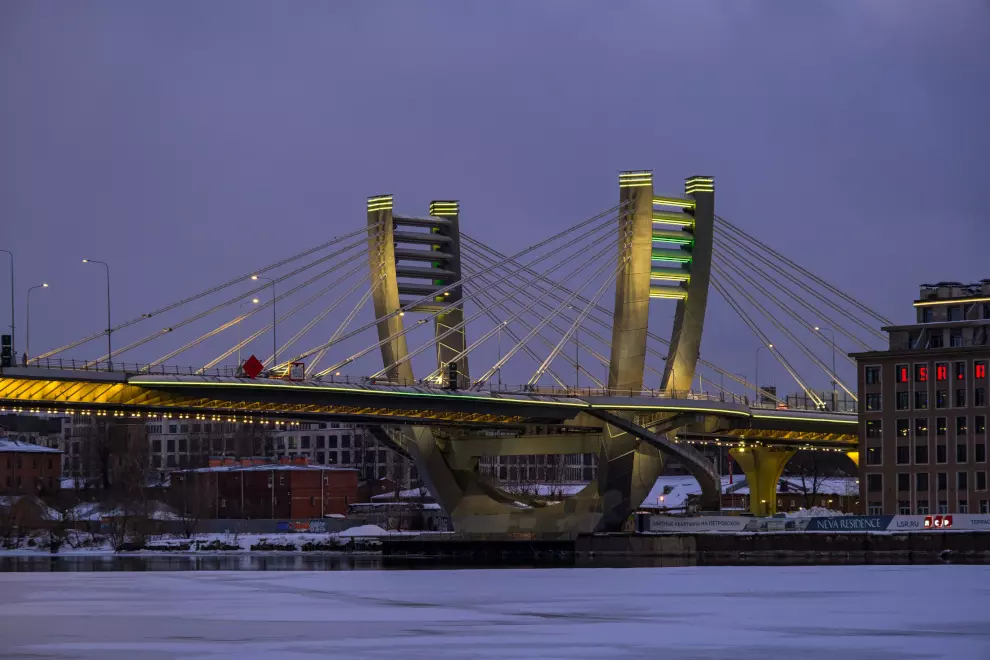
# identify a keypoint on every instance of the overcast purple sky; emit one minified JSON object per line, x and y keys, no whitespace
{"x":186,"y":141}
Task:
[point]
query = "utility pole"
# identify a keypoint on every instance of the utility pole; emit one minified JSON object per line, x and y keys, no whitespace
{"x":109,"y":326}
{"x":13,"y":339}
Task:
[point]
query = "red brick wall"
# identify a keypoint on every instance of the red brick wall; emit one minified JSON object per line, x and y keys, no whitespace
{"x":28,"y":473}
{"x":297,"y":493}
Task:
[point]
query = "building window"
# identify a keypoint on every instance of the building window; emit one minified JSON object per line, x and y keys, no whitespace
{"x":960,"y":371}
{"x":305,"y":442}
{"x":921,"y":373}
{"x":332,"y":442}
{"x":942,"y":481}
{"x":903,"y":455}
{"x":182,"y":445}
{"x":942,"y":371}
{"x":874,"y":428}
{"x":873,"y":456}
{"x":955,"y":313}
{"x":156,"y":446}
{"x":875,"y":509}
{"x":170,"y":445}
{"x":940,"y":453}
{"x":980,"y":370}
{"x":980,"y":452}
{"x":901,"y":373}
{"x":963,"y":506}
{"x":903,"y":428}
{"x":345,"y":441}
{"x":904,"y":508}
{"x":921,"y":453}
{"x":941,"y":399}
{"x":872,"y":375}
{"x":921,"y":482}
{"x":321,"y":442}
{"x":281,"y":478}
{"x":874,"y":483}
{"x":940,"y":425}
{"x":320,"y":457}
{"x":961,"y":426}
{"x":943,"y":507}
{"x":903,"y":400}
{"x":345,"y":457}
{"x":962,"y":480}
{"x":293,"y":443}
{"x":382,"y":457}
{"x":955,"y":338}
{"x":922,"y":508}
{"x":960,"y":398}
{"x":936,"y":340}
{"x":920,"y":426}
{"x":903,"y":481}
{"x":961,"y":452}
{"x":873,"y":401}
{"x":981,"y":480}
{"x":921,"y":400}
{"x":979,"y":396}
{"x":984,"y":506}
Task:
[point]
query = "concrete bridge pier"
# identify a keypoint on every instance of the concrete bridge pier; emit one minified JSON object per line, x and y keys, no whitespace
{"x":763,"y":467}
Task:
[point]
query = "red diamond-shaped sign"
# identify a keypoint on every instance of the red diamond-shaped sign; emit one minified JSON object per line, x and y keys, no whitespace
{"x":252,"y":367}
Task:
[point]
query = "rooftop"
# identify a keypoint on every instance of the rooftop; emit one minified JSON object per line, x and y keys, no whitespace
{"x":6,"y":444}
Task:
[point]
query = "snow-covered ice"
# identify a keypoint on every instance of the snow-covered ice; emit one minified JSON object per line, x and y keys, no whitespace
{"x":742,"y":613}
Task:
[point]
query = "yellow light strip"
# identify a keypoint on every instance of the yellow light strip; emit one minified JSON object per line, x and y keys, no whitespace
{"x":635,"y":179}
{"x":678,"y":219}
{"x":674,"y":201}
{"x":670,"y":295}
{"x":950,"y":301}
{"x":441,"y":209}
{"x":673,"y":277}
{"x":380,"y":203}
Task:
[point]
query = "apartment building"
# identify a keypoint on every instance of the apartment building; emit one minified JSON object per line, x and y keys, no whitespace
{"x":923,"y":407}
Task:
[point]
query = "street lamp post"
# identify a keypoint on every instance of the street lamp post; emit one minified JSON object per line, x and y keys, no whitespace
{"x":12,"y":338}
{"x":274,"y":320}
{"x":759,"y":388}
{"x":27,"y":344}
{"x":834,"y":393}
{"x":253,"y":301}
{"x":109,"y":327}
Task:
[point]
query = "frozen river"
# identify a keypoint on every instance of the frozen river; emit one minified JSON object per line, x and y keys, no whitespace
{"x":742,"y":613}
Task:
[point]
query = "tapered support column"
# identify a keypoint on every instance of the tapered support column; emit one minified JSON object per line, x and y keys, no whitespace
{"x":385,"y":296}
{"x":689,"y":318}
{"x":632,"y":287}
{"x":454,"y":343}
{"x":762,"y":467}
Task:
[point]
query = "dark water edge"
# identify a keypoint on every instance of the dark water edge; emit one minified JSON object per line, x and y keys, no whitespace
{"x":320,"y":562}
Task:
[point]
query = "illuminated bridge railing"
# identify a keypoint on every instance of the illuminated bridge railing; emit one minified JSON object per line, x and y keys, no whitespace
{"x":136,"y":368}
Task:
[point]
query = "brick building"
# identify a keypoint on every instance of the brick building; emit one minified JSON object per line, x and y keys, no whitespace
{"x":27,"y":469}
{"x":923,"y":407}
{"x":259,"y":488}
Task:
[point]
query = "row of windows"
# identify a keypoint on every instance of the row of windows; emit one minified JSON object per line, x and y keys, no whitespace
{"x":902,"y":427}
{"x":921,"y":481}
{"x":965,"y":311}
{"x":322,"y":442}
{"x":18,"y":462}
{"x":902,"y":400}
{"x":902,"y":455}
{"x":903,"y":372}
{"x":342,"y":457}
{"x":922,"y":508}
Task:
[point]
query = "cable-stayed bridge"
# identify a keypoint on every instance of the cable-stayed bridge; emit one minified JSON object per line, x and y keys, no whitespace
{"x":361,"y":315}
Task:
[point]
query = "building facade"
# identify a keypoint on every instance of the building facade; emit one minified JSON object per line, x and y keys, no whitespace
{"x":923,"y":407}
{"x":28,"y":469}
{"x":260,"y":488}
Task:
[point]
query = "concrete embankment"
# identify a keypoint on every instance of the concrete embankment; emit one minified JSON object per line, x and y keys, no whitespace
{"x":710,"y":547}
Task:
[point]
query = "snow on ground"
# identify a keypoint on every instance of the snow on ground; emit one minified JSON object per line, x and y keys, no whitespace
{"x":743,"y":613}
